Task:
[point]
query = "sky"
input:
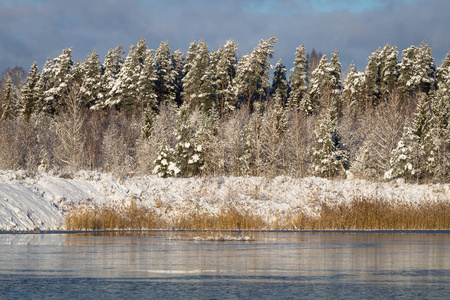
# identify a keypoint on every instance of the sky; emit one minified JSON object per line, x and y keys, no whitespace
{"x":34,"y":30}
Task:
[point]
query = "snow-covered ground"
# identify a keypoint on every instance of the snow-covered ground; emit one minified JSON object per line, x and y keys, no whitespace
{"x":39,"y":200}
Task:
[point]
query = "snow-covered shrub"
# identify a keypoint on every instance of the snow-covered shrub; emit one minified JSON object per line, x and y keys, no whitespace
{"x":165,"y":165}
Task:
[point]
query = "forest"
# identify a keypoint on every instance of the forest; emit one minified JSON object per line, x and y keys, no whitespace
{"x":210,"y":113}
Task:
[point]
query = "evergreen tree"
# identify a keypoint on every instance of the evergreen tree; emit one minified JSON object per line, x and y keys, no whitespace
{"x":414,"y":156}
{"x":425,"y":76}
{"x":165,"y":74}
{"x":9,"y":100}
{"x":354,"y":88}
{"x":91,"y":80}
{"x":388,"y":70}
{"x":146,"y":95}
{"x":330,"y":154}
{"x":417,"y":70}
{"x":335,"y":69}
{"x":196,"y":65}
{"x":280,"y":84}
{"x":190,"y":81}
{"x":372,"y":76}
{"x":443,"y":74}
{"x":406,"y":69}
{"x":440,"y":107}
{"x":42,"y":85}
{"x":165,"y":165}
{"x":189,"y":150}
{"x":178,"y":63}
{"x":30,"y":97}
{"x":60,"y":81}
{"x":318,"y":86}
{"x":110,"y":69}
{"x":225,"y":74}
{"x":312,"y":61}
{"x":298,"y":78}
{"x":208,"y":96}
{"x":253,"y":71}
{"x":125,"y":92}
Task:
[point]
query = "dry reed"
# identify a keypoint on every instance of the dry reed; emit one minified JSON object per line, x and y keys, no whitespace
{"x":359,"y":214}
{"x":378,"y":214}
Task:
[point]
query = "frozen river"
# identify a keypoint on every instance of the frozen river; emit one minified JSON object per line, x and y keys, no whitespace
{"x":274,"y":265}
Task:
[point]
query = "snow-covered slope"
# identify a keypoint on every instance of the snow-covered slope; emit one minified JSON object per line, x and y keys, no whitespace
{"x":39,"y":200}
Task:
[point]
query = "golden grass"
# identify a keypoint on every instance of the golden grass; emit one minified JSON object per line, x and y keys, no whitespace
{"x":360,"y":214}
{"x":108,"y":216}
{"x":378,"y":214}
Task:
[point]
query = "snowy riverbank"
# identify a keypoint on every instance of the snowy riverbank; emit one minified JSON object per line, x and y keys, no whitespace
{"x":39,"y":200}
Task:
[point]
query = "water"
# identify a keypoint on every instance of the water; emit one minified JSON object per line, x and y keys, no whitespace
{"x":274,"y":265}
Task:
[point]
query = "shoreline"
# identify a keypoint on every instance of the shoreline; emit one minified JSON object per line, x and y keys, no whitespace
{"x":352,"y":231}
{"x":43,"y":202}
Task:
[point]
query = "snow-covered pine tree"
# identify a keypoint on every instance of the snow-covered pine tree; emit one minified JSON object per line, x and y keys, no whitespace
{"x":166,"y":74}
{"x":425,"y":69}
{"x":253,"y":71}
{"x":298,"y":78}
{"x":372,"y":82}
{"x":91,"y":80}
{"x":9,"y":100}
{"x":353,"y":93}
{"x":279,"y":84}
{"x":251,"y":154}
{"x":125,"y":91}
{"x":178,"y":64}
{"x":263,"y":52}
{"x":441,"y":118}
{"x":440,"y":107}
{"x":60,"y":81}
{"x":225,"y":74}
{"x":196,"y":66}
{"x":406,"y":69}
{"x":43,"y":84}
{"x":443,"y":74}
{"x":189,"y":149}
{"x":388,"y":70}
{"x":324,"y":86}
{"x":318,"y":85}
{"x":190,"y":81}
{"x":146,"y":95}
{"x":208,"y":96}
{"x":165,"y":164}
{"x":110,"y":69}
{"x":312,"y":61}
{"x":330,"y":154}
{"x":29,"y":98}
{"x":417,"y":70}
{"x":245,"y":80}
{"x":335,"y":69}
{"x":414,"y":157}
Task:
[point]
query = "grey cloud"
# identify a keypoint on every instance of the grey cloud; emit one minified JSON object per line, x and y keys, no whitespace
{"x":36,"y":32}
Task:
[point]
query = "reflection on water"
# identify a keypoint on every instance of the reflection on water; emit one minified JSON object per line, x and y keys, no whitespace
{"x":171,"y":265}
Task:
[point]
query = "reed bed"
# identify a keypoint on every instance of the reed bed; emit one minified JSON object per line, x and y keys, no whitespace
{"x":359,"y":214}
{"x":377,"y":214}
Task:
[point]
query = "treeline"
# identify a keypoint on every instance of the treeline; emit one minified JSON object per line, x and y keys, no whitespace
{"x":208,"y":113}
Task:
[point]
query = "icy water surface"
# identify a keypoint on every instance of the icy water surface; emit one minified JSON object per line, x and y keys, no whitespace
{"x":275,"y":265}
